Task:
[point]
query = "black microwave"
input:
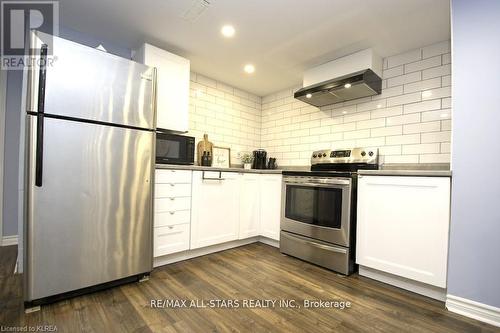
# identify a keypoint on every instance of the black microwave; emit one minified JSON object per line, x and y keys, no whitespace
{"x":174,"y":149}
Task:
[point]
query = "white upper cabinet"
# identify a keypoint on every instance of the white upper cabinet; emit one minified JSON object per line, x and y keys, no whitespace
{"x":270,"y":206}
{"x":172,"y":87}
{"x":249,"y":205}
{"x":216,"y":206}
{"x":402,"y":226}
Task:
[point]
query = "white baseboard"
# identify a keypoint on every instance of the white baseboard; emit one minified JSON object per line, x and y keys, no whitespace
{"x":475,"y":310}
{"x":269,"y":241}
{"x":404,"y":283}
{"x":185,"y":255}
{"x":9,"y":240}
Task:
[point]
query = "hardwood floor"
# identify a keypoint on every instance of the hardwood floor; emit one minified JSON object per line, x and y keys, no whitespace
{"x":251,"y":272}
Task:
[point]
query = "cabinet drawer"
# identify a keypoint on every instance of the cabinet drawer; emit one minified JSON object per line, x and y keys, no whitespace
{"x":172,"y":190}
{"x":167,"y":176}
{"x":172,"y":204}
{"x":172,"y":218}
{"x":171,"y":239}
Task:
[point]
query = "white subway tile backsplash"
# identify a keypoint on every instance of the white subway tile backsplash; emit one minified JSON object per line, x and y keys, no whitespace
{"x":443,"y":136}
{"x":406,"y":121}
{"x":359,"y":134}
{"x":404,"y":99}
{"x":446,"y":125}
{"x":386,"y":131}
{"x":436,"y":49}
{"x":422,"y":127}
{"x":435,"y":158}
{"x":373,"y":123}
{"x":436,"y":93}
{"x":401,"y":159}
{"x":402,"y":139}
{"x":446,"y":58}
{"x":387,"y":112}
{"x":436,"y":72}
{"x":403,"y":79}
{"x":396,"y":71}
{"x":436,"y":115}
{"x":422,"y":106}
{"x":404,"y":58}
{"x":403,"y":119}
{"x":423,"y":148}
{"x":422,"y":85}
{"x":423,"y":64}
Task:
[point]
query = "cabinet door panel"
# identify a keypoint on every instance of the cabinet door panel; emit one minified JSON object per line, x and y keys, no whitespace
{"x":215,"y":209}
{"x":402,"y":226}
{"x":270,"y":206}
{"x":249,"y":206}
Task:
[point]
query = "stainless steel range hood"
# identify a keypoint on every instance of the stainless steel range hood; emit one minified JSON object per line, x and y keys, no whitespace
{"x":352,"y":86}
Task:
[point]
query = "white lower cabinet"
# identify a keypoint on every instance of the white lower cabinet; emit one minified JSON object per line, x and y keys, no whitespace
{"x":403,"y":225}
{"x":270,"y":206}
{"x":170,"y":239}
{"x":172,"y":211}
{"x":216,"y":206}
{"x":196,"y":209}
{"x":249,"y":225}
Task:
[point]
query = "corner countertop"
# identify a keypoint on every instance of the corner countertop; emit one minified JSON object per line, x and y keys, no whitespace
{"x":205,"y":168}
{"x":418,"y":170}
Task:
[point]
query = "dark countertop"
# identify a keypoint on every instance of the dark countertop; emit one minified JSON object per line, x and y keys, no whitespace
{"x":204,"y":168}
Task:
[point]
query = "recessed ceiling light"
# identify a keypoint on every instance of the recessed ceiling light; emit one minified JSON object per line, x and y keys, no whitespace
{"x":444,"y":115}
{"x":227,"y":31}
{"x":344,"y":112}
{"x":309,"y":95}
{"x":249,"y":68}
{"x":379,"y":106}
{"x":347,"y":85}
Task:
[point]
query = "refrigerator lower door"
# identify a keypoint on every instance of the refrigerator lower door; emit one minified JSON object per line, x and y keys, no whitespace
{"x":90,"y":222}
{"x":85,"y":83}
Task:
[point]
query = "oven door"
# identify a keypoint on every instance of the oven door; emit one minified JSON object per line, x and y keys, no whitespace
{"x":174,"y":149}
{"x":317,"y":207}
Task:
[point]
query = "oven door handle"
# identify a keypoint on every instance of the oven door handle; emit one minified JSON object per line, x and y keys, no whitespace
{"x":329,"y":184}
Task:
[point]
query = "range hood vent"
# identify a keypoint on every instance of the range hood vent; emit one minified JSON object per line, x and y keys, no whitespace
{"x":348,"y":87}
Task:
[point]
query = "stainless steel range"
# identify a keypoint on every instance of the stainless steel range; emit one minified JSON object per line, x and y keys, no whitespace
{"x":318,"y":210}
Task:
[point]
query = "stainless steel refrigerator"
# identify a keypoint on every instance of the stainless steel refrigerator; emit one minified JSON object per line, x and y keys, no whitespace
{"x":89,"y":170}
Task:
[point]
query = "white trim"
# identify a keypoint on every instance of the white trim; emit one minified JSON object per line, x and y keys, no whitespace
{"x":269,"y":241}
{"x":184,"y":255}
{"x":404,"y":283}
{"x":3,"y":108}
{"x":9,"y":240}
{"x":475,"y":310}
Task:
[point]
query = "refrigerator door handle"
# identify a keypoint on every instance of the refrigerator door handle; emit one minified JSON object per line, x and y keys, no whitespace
{"x":39,"y":117}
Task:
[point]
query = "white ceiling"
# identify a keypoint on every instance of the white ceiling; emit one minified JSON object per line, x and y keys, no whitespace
{"x":280,"y":37}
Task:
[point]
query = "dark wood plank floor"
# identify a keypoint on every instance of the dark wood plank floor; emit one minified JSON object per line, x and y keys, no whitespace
{"x":255,"y":271}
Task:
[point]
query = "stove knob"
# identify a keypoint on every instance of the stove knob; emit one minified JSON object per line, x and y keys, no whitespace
{"x":363,"y":153}
{"x":314,"y":156}
{"x":370,"y":153}
{"x":324,"y":155}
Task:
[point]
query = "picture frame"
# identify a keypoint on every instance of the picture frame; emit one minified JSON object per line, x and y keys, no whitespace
{"x":221,"y":157}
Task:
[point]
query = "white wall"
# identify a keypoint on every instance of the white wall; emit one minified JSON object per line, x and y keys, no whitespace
{"x":474,"y":262}
{"x":230,"y":117}
{"x":409,"y":121}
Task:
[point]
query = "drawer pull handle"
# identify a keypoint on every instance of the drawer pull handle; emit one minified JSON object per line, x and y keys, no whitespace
{"x":172,"y":184}
{"x":170,"y":226}
{"x":172,"y":199}
{"x":172,"y":213}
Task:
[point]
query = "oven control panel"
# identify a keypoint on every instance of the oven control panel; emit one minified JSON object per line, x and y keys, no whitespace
{"x":352,"y":155}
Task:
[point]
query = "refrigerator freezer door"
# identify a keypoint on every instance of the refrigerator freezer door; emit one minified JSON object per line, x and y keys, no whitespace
{"x":91,"y":220}
{"x":85,"y":83}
